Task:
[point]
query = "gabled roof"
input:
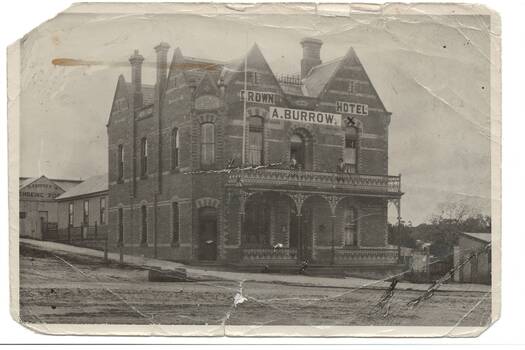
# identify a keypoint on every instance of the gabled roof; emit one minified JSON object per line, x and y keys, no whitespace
{"x":64,"y":184}
{"x":92,"y":185}
{"x":319,"y":76}
{"x":485,"y":237}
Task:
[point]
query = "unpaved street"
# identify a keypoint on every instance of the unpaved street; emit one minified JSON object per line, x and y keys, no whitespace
{"x":71,"y":289}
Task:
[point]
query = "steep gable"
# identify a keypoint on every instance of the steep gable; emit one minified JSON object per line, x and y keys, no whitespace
{"x":234,"y":74}
{"x":344,"y":72}
{"x":121,"y":100}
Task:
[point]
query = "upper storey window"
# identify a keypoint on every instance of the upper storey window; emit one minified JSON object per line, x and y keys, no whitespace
{"x":253,"y":77}
{"x":144,"y":157}
{"x":350,"y":151}
{"x":352,"y":86}
{"x":120,"y":163}
{"x":255,"y":146}
{"x":174,"y":148}
{"x":207,"y":144}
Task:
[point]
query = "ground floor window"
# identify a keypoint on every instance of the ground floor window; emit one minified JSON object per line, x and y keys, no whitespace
{"x":144,"y":226}
{"x":175,"y":223}
{"x":350,"y":226}
{"x":120,"y":225}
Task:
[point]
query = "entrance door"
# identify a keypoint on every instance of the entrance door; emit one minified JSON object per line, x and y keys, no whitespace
{"x":43,"y":223}
{"x":208,"y":234}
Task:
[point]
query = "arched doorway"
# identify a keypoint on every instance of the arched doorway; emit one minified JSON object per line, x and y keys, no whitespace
{"x":207,"y":233}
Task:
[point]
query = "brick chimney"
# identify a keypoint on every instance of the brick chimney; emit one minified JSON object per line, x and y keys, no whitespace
{"x":311,"y":55}
{"x":162,"y":65}
{"x":136,"y":78}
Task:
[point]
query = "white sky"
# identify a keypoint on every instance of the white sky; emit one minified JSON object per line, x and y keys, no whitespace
{"x":432,"y":73}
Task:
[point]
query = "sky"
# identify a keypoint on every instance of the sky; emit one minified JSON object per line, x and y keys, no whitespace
{"x":431,"y":72}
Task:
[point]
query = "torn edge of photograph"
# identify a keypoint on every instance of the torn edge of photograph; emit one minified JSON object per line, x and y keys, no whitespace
{"x":269,"y":170}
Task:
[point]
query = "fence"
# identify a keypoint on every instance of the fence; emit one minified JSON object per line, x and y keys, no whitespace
{"x":91,"y":236}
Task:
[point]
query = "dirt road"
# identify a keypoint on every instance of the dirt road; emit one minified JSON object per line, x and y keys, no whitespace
{"x":71,"y":289}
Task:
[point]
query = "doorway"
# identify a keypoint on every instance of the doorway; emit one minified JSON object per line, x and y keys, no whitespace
{"x":43,"y":223}
{"x":207,"y":233}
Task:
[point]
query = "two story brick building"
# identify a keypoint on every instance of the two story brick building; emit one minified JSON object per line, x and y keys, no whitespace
{"x":227,"y":162}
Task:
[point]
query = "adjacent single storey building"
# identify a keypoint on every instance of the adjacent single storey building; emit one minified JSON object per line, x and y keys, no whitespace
{"x":38,"y":207}
{"x":476,"y":247}
{"x":82,"y":210}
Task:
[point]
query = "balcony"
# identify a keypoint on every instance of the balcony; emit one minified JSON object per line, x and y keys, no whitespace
{"x":271,"y":178}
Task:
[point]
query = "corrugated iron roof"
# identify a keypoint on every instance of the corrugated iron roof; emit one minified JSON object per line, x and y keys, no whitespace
{"x":93,"y":184}
{"x":65,"y":184}
{"x":485,"y":237}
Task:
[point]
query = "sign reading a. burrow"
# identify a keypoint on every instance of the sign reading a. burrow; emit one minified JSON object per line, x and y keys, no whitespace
{"x":304,"y":116}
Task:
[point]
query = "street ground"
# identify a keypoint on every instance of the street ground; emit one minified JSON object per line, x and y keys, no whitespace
{"x":62,"y":287}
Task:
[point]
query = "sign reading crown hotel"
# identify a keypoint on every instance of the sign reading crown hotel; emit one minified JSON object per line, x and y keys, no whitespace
{"x":303,"y":116}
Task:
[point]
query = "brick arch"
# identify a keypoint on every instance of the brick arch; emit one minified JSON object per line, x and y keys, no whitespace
{"x":309,"y":136}
{"x":257,"y":112}
{"x":206,"y":118}
{"x":207,"y":202}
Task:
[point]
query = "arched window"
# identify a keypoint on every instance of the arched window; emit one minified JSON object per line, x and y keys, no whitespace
{"x":207,"y":144}
{"x":255,"y":141}
{"x":174,"y":148}
{"x":144,"y":157}
{"x":144,"y":225}
{"x":350,"y":151}
{"x":350,"y":226}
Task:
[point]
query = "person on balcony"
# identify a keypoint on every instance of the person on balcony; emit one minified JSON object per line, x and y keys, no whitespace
{"x":293,"y":162}
{"x":340,"y":170}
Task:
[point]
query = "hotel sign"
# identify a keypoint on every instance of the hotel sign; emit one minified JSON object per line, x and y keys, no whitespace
{"x":303,"y":116}
{"x":351,"y":108}
{"x":258,"y":96}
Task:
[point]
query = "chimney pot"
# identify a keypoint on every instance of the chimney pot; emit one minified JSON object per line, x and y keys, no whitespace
{"x":136,"y":78}
{"x":162,"y":65}
{"x":311,"y":55}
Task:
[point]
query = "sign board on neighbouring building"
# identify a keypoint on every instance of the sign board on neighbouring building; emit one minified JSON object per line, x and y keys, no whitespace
{"x":304,"y":116}
{"x":351,"y":108}
{"x":258,"y":96}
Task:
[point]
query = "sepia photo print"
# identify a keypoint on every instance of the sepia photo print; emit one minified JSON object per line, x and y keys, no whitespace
{"x":256,"y":170}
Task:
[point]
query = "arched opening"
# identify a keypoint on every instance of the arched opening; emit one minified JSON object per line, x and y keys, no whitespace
{"x":270,"y":221}
{"x":301,"y":150}
{"x":316,"y":229}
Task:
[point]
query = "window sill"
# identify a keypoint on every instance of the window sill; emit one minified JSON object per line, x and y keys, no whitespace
{"x":175,"y":170}
{"x":175,"y":244}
